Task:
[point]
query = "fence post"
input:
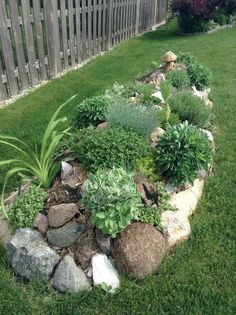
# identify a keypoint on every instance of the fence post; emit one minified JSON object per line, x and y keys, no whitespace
{"x":53,"y":41}
{"x":137,"y":17}
{"x":109,"y":23}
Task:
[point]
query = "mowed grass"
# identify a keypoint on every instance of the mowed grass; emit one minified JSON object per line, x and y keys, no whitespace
{"x":199,"y":276}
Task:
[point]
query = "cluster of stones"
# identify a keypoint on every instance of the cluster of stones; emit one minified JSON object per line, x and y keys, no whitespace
{"x":63,"y":248}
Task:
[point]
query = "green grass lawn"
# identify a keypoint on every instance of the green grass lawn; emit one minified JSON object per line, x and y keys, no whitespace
{"x":199,"y":276}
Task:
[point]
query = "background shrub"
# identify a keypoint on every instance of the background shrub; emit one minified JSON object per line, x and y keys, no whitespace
{"x":133,"y":117}
{"x":27,"y":206}
{"x":91,"y":112}
{"x":166,"y":89}
{"x":190,"y":108}
{"x":113,"y":199}
{"x":164,"y":122}
{"x":178,"y":78}
{"x":111,"y":147}
{"x":181,"y":152}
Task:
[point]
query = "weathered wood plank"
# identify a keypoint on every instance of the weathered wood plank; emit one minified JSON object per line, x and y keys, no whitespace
{"x":64,"y":38}
{"x":89,"y":27}
{"x":29,"y":42}
{"x":71,"y":32}
{"x":104,"y":6}
{"x":3,"y":91}
{"x":99,"y":26}
{"x":39,"y":38}
{"x":20,"y":54}
{"x":53,"y":41}
{"x":7,"y":51}
{"x":84,"y":30}
{"x":109,"y":24}
{"x":78,"y":29}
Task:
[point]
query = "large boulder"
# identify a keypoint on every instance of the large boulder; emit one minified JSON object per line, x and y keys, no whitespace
{"x":66,"y":235}
{"x":104,"y":272}
{"x":139,"y":250}
{"x":70,"y":278}
{"x":30,"y":256}
{"x":61,"y":214}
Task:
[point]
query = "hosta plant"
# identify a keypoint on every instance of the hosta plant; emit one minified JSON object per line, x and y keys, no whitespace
{"x":181,"y":152}
{"x":113,"y":199}
{"x":38,"y":166}
{"x":26,"y":207}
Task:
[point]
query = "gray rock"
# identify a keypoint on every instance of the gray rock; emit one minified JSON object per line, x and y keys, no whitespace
{"x":30,"y":256}
{"x":104,"y":242}
{"x":70,"y":278}
{"x":66,"y":235}
{"x":72,"y":182}
{"x":41,"y":223}
{"x":61,"y":214}
{"x":66,"y":170}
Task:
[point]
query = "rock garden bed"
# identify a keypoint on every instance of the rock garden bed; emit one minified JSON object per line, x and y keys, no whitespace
{"x":113,"y":194}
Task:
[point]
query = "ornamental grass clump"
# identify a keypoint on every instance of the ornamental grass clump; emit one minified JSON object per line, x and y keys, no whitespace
{"x":39,"y":165}
{"x":23,"y":211}
{"x":113,"y":199}
{"x":111,"y":147}
{"x":132,"y":117}
{"x":178,"y":78}
{"x":191,"y":108}
{"x":181,"y":152}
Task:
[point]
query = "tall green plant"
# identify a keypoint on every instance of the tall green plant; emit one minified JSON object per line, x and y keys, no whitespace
{"x":37,"y":166}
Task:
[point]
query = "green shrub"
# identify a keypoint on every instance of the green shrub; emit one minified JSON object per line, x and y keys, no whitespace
{"x":27,"y":206}
{"x":181,"y":152}
{"x":221,"y":17}
{"x":147,"y":167}
{"x":113,"y":199}
{"x":179,"y":78}
{"x":190,"y":108}
{"x":166,"y":89}
{"x":199,"y":75}
{"x":91,"y":112}
{"x":111,"y":147}
{"x":166,"y":120}
{"x":133,"y":117}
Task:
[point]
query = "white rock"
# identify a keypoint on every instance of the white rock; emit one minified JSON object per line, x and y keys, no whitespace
{"x":66,"y":170}
{"x":104,"y":272}
{"x":209,"y":134}
{"x":159,"y":95}
{"x":176,"y":227}
{"x":202,"y":95}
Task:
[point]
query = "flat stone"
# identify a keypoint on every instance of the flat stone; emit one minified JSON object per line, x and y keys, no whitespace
{"x":102,"y":125}
{"x":176,"y":228}
{"x":61,"y":214}
{"x":158,"y":95}
{"x":72,"y":182}
{"x":30,"y":256}
{"x":66,"y":235}
{"x":66,"y":170}
{"x":104,"y":272}
{"x":70,"y":278}
{"x":41,"y":223}
{"x":186,"y":201}
{"x":5,"y":230}
{"x":156,"y":135}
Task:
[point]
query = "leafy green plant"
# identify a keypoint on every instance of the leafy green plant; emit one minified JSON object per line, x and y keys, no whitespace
{"x":167,"y":119}
{"x":113,"y":199}
{"x":37,"y":166}
{"x":91,"y":112}
{"x":147,"y":167}
{"x":178,"y":78}
{"x":190,"y":108}
{"x":199,"y":75}
{"x":181,"y":152}
{"x":137,"y":118}
{"x":111,"y":147}
{"x":23,"y":211}
{"x":166,"y":89}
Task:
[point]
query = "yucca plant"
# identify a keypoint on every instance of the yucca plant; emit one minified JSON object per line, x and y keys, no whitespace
{"x":37,"y":166}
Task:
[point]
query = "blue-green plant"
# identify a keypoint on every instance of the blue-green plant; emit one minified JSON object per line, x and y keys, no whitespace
{"x":23,"y":211}
{"x":135,"y":117}
{"x":38,"y":166}
{"x":181,"y":152}
{"x":113,"y":199}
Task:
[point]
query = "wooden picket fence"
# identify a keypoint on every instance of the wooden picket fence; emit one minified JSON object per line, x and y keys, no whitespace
{"x":41,"y":38}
